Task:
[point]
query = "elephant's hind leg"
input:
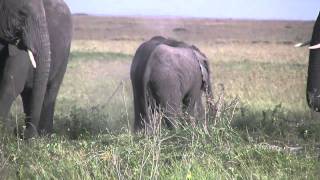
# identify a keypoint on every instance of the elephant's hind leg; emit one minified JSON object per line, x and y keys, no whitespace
{"x":139,"y":111}
{"x":168,"y":95}
{"x":172,"y":109}
{"x":192,"y":101}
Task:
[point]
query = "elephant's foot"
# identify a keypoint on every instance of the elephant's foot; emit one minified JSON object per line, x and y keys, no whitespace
{"x":30,"y":132}
{"x":171,"y":123}
{"x":45,"y":132}
{"x":149,"y":130}
{"x":17,"y":132}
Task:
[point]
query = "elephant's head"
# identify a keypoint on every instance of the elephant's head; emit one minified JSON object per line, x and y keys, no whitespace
{"x":313,"y":83}
{"x":23,"y":24}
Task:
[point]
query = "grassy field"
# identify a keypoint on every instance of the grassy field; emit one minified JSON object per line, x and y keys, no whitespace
{"x":265,"y":129}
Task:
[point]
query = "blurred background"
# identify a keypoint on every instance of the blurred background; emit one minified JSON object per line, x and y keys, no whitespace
{"x":235,"y":9}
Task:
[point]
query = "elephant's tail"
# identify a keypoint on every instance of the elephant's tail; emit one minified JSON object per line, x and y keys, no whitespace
{"x":207,"y":86}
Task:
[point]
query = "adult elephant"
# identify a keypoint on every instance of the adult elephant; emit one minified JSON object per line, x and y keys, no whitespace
{"x":313,"y":83}
{"x":171,"y":75}
{"x":39,"y":31}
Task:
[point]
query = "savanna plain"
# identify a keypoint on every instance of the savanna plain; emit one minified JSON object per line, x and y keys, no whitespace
{"x":263,"y":129}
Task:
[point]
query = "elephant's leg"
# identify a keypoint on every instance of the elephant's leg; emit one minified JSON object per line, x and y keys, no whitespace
{"x":140,"y":109}
{"x":189,"y":104}
{"x":46,"y":121}
{"x":26,"y":100}
{"x":14,"y":77}
{"x":173,"y":113}
{"x":193,"y":104}
{"x":167,"y":94}
{"x":47,"y":113}
{"x":171,"y":104}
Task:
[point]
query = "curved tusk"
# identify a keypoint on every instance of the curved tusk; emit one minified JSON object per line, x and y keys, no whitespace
{"x":298,"y":45}
{"x":302,"y":44}
{"x":315,"y":46}
{"x":33,"y":62}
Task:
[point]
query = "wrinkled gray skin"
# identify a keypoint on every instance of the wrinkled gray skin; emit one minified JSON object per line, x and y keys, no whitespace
{"x":313,"y":83}
{"x":44,"y":27}
{"x":166,"y":73}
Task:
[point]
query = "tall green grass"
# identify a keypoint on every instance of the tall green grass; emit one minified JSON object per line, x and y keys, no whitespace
{"x":264,"y":131}
{"x":193,"y":151}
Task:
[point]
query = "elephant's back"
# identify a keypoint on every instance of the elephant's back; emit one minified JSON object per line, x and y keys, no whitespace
{"x":59,"y":21}
{"x":174,"y":64}
{"x":60,"y":31}
{"x":175,"y":58}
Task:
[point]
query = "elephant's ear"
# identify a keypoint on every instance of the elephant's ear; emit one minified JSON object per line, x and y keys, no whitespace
{"x":33,"y":32}
{"x":12,"y":19}
{"x":28,"y":23}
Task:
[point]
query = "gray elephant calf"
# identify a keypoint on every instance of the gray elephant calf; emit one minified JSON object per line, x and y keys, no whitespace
{"x":39,"y":31}
{"x":172,"y":75}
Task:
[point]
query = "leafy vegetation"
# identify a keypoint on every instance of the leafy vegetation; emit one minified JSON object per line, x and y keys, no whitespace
{"x":191,"y":152}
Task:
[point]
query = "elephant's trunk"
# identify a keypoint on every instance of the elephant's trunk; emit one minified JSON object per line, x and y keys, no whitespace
{"x":1,"y":46}
{"x":38,"y":42}
{"x":313,"y":83}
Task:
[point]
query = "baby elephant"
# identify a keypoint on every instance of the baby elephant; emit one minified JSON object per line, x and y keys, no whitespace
{"x":169,"y":75}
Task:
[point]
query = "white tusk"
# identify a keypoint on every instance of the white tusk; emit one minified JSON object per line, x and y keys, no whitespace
{"x":302,"y":44}
{"x":33,"y":62}
{"x":315,"y":46}
{"x":298,"y":45}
